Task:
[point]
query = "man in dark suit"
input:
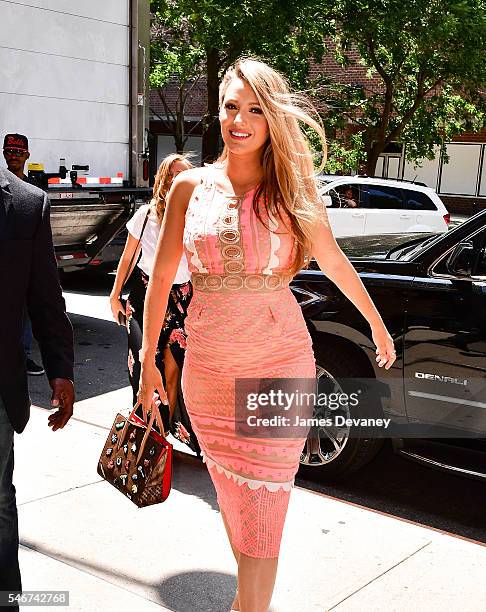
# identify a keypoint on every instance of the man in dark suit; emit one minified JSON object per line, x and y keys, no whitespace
{"x":29,"y":278}
{"x":16,"y":153}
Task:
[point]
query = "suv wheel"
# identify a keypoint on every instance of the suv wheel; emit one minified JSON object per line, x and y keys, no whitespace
{"x":331,"y":453}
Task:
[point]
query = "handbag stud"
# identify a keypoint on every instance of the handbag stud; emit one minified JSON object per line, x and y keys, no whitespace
{"x":134,"y":477}
{"x":134,"y":448}
{"x":114,"y":438}
{"x":140,"y":469}
{"x":119,"y":425}
{"x":118,"y":461}
{"x":109,"y":451}
{"x":134,"y":489}
{"x":125,"y":449}
{"x":123,"y":478}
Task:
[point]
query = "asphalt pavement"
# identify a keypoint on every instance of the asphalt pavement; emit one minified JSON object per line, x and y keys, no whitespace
{"x":79,"y":534}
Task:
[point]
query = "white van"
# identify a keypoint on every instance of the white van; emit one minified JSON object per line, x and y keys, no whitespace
{"x":359,"y":205}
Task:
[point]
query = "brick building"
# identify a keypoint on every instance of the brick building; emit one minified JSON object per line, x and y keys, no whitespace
{"x":461,"y":183}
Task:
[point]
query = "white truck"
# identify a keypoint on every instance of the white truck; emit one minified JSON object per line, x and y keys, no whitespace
{"x":74,"y":80}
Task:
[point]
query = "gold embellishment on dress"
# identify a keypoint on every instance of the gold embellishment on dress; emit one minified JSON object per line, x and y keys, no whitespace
{"x":214,"y":281}
{"x":232,"y":255}
{"x":229,"y":220}
{"x":273,"y":282}
{"x":240,"y":282}
{"x":229,"y":236}
{"x":231,"y":244}
{"x":233,"y":282}
{"x":233,"y":267}
{"x":232,"y":251}
{"x":255,"y":282}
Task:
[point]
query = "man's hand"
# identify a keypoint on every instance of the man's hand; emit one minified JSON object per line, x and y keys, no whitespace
{"x":62,"y":399}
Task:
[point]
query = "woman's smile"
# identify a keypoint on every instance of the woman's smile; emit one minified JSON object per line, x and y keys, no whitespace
{"x":239,"y":135}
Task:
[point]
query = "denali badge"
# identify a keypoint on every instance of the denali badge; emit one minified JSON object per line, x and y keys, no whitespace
{"x":445,"y":379}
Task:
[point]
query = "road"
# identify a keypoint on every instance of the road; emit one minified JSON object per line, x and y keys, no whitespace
{"x":389,"y":484}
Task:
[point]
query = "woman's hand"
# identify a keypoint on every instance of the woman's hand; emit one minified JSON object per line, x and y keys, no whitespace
{"x":385,"y":349}
{"x":150,"y":382}
{"x":116,"y":307}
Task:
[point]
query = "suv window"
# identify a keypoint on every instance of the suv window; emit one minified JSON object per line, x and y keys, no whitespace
{"x":480,"y":268}
{"x":335,"y":201}
{"x":416,"y":200}
{"x":346,"y":196}
{"x":478,"y":259}
{"x":385,"y":198}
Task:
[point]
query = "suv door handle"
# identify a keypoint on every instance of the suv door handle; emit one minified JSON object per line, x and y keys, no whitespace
{"x":359,"y":215}
{"x":404,"y":216}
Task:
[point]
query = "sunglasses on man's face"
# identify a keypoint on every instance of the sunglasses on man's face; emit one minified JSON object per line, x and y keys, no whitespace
{"x":16,"y":152}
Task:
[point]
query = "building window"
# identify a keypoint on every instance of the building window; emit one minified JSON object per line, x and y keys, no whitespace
{"x":460,"y":175}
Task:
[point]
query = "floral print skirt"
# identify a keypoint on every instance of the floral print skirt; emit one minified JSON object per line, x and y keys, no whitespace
{"x":172,"y":335}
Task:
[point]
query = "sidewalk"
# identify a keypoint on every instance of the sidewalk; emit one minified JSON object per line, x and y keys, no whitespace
{"x":79,"y":534}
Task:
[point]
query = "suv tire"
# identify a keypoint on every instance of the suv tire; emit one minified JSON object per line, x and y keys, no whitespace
{"x":338,"y":459}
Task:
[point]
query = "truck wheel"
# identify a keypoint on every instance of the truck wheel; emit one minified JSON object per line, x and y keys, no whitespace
{"x":332,"y":453}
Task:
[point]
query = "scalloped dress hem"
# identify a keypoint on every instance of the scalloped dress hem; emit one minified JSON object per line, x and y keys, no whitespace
{"x":251,"y":483}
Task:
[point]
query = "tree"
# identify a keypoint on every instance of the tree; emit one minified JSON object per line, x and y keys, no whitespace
{"x":177,"y":65}
{"x":217,"y":32}
{"x":425,"y":65}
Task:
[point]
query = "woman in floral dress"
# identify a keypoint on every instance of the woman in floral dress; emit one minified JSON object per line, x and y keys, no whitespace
{"x":172,"y":340}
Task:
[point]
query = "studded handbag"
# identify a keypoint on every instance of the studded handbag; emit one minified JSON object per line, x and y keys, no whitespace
{"x":136,"y":460}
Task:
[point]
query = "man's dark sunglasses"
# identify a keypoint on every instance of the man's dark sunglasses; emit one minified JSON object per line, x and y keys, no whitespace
{"x":17,"y":152}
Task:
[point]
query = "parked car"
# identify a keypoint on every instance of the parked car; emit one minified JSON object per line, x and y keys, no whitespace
{"x":360,"y":205}
{"x":431,"y":293}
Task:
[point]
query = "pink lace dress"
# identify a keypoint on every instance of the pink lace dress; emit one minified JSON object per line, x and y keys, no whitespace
{"x":243,"y":322}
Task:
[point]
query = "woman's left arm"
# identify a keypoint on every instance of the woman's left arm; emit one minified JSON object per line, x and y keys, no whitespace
{"x":337,"y":267}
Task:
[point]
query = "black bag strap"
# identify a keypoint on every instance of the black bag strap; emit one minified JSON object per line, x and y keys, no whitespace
{"x":136,"y":253}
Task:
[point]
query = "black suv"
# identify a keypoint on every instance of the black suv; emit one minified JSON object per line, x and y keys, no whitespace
{"x":431,"y":293}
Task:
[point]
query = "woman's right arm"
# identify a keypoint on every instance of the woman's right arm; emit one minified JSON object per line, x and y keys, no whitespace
{"x":121,"y":274}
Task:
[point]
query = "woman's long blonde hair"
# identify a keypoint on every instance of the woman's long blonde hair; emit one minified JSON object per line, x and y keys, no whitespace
{"x":288,"y":184}
{"x":163,"y":180}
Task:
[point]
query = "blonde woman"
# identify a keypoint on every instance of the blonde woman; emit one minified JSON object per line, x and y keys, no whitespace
{"x":247,"y":225}
{"x":172,"y":340}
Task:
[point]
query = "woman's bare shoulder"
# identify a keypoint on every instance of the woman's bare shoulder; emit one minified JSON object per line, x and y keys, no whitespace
{"x":185,"y":184}
{"x":190,"y":178}
{"x":183,"y":187}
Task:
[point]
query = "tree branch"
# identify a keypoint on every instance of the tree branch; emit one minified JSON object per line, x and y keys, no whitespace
{"x":374,"y":60}
{"x":164,"y":121}
{"x":187,"y":90}
{"x":419,"y":98}
{"x":387,"y":110}
{"x":189,"y":132}
{"x":168,"y":112}
{"x":354,"y":120}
